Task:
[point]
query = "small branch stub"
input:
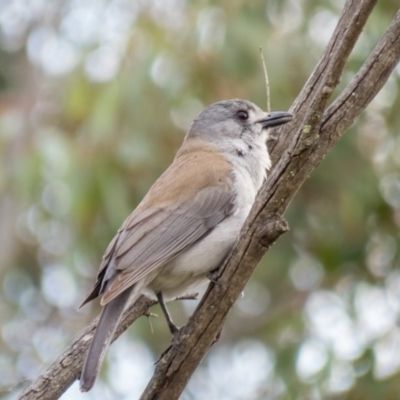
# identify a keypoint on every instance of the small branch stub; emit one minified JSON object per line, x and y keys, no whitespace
{"x":270,"y":232}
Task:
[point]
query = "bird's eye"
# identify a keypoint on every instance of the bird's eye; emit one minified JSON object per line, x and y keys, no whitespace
{"x":242,"y":115}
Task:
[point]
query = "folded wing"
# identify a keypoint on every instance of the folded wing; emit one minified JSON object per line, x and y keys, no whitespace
{"x":158,"y":231}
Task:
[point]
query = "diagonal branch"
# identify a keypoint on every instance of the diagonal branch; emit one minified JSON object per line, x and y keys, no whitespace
{"x":329,"y":69}
{"x":67,"y":368}
{"x":364,"y":86}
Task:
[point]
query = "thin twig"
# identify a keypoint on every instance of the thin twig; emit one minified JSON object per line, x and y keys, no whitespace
{"x":266,"y":80}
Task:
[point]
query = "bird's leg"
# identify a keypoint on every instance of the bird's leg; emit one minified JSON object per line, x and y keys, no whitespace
{"x":172,"y":327}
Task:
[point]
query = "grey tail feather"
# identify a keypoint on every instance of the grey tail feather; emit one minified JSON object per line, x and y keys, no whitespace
{"x":103,"y":335}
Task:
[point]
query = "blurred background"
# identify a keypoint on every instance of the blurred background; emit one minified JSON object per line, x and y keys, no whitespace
{"x":95,"y":99}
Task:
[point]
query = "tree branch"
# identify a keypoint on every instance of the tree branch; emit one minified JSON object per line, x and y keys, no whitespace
{"x":67,"y":368}
{"x":300,"y":147}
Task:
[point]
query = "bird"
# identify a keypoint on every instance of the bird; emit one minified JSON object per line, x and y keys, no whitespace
{"x":189,"y":220}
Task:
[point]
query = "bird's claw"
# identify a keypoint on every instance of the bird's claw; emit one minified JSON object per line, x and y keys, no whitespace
{"x":211,"y":276}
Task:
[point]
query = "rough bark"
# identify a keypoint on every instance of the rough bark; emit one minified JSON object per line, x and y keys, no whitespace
{"x":300,"y":147}
{"x":67,"y":368}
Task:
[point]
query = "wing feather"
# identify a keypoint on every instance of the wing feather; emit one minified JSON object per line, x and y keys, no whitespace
{"x":161,"y":242}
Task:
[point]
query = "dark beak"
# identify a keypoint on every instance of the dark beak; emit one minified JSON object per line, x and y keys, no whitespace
{"x":275,"y":119}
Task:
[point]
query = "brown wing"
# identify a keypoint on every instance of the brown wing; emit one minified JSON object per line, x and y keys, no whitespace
{"x":162,"y":227}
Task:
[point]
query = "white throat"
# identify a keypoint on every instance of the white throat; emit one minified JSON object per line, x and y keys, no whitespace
{"x":251,"y":157}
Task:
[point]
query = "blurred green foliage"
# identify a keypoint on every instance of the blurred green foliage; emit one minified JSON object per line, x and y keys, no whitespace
{"x":95,"y":98}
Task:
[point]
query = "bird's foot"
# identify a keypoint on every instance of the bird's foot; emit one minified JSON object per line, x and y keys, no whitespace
{"x":175,"y":342}
{"x":212,"y":277}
